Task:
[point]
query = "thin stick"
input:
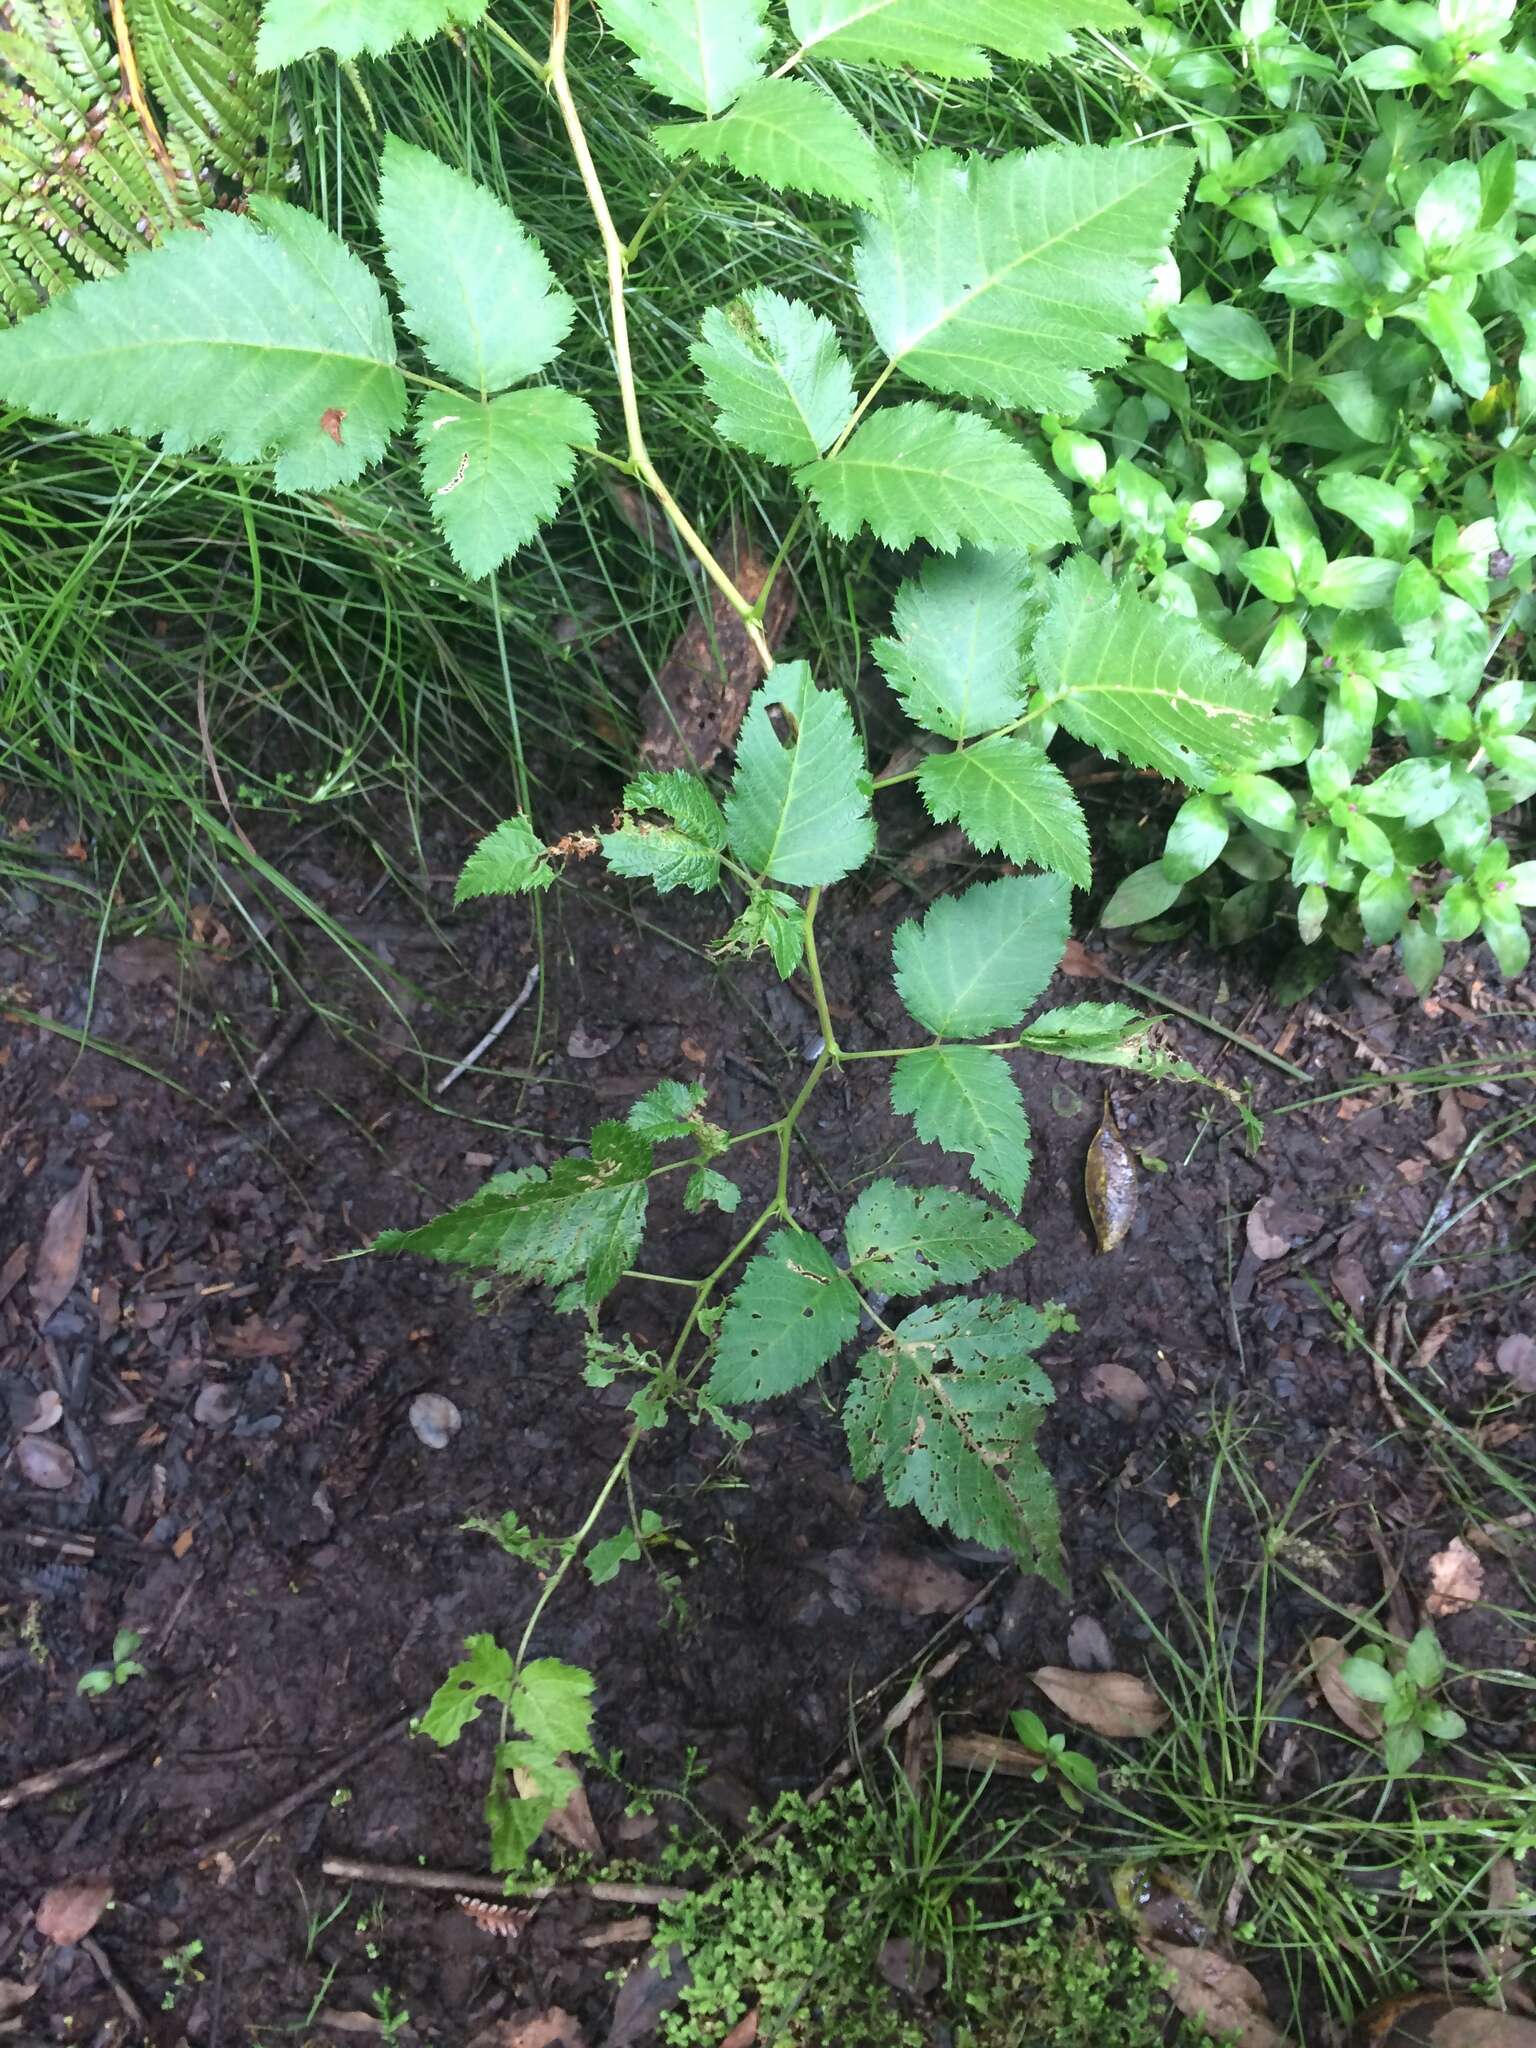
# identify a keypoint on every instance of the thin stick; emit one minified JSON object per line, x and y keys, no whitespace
{"x":41,"y":1783}
{"x":322,"y":1781}
{"x":484,"y":1044}
{"x":115,"y":1985}
{"x":479,"y":1886}
{"x":898,"y":1717}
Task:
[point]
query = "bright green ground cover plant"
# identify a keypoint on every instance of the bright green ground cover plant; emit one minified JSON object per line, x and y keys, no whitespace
{"x":992,"y":288}
{"x":1324,"y":453}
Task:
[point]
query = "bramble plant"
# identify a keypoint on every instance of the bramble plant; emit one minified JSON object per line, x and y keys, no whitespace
{"x":996,"y":287}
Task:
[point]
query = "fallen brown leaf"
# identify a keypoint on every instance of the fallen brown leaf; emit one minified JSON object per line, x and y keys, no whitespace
{"x":1455,"y":1579}
{"x":1123,"y":1390}
{"x":573,"y":1822}
{"x":1226,"y":1999}
{"x":46,"y":1464}
{"x":995,"y":1753}
{"x":1429,"y":2020}
{"x":1450,"y":1130}
{"x":57,"y":1264}
{"x":13,"y":1996}
{"x":1080,"y":964}
{"x":12,"y":1270}
{"x":1358,"y":1715}
{"x":349,"y":2020}
{"x":1264,"y":1241}
{"x":1088,"y":1646}
{"x":704,"y":686}
{"x":1112,"y":1703}
{"x":915,"y":1585}
{"x":744,"y":2033}
{"x":1516,"y":1356}
{"x":69,"y":1911}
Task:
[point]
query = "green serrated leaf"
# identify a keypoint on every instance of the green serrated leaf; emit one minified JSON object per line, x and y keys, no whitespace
{"x":770,"y":919}
{"x":669,"y":1110}
{"x":261,"y":336}
{"x":699,"y":54}
{"x":916,"y":472}
{"x":475,"y":287}
{"x":1009,"y":278}
{"x":976,"y":961}
{"x":291,"y":29}
{"x":486,"y":1673}
{"x":905,"y":1240}
{"x":1122,"y":674}
{"x":936,"y":37}
{"x":956,"y":659}
{"x":494,"y":473}
{"x":965,"y":1099}
{"x":1085,"y":1031}
{"x":684,"y":854}
{"x":705,"y":1185}
{"x":792,"y":1312}
{"x":508,"y":862}
{"x":582,"y":1218}
{"x":792,"y":135}
{"x":775,"y":371}
{"x":799,"y":810}
{"x":945,"y":1410}
{"x":1010,"y":798}
{"x":552,"y":1706}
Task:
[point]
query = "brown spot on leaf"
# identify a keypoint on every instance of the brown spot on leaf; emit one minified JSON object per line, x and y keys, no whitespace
{"x":330,"y":422}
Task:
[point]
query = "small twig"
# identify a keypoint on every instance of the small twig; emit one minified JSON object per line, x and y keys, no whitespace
{"x":484,"y":1044}
{"x":478,"y":1886}
{"x":1379,"y":1367}
{"x":311,"y":1788}
{"x":115,"y":1985}
{"x":41,"y":1783}
{"x":898,"y":1716}
{"x":277,"y":1047}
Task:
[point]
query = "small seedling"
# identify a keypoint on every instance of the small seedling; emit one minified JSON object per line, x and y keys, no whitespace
{"x":392,"y":2024}
{"x":124,"y":1665}
{"x":1405,"y":1696}
{"x":181,"y":1967}
{"x":1071,"y":1771}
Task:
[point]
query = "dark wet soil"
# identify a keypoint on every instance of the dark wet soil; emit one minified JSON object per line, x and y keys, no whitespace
{"x":244,"y":1490}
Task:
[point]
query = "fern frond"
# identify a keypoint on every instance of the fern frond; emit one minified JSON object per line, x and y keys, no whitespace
{"x":80,"y":186}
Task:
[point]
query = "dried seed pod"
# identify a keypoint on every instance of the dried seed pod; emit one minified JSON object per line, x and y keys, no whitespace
{"x":1109,"y":1181}
{"x":505,"y":1922}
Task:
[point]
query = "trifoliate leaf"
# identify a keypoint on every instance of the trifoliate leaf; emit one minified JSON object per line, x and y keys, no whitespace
{"x":916,"y":472}
{"x":955,"y":657}
{"x":507,"y":862}
{"x":706,"y":1185}
{"x":669,"y":1110}
{"x":792,"y":1312}
{"x":775,"y":371}
{"x":946,"y":1410}
{"x":965,"y":1099}
{"x":938,"y":37}
{"x":683,"y":854}
{"x":1085,"y":1031}
{"x":799,"y":809}
{"x":905,"y":1240}
{"x":260,"y":336}
{"x":1008,"y":278}
{"x":494,"y":473}
{"x":291,"y":29}
{"x":789,"y":133}
{"x":1126,"y":676}
{"x":1011,"y":798}
{"x":474,"y":285}
{"x":770,"y":919}
{"x":976,"y":961}
{"x":486,"y":1673}
{"x":580,"y":1218}
{"x":698,"y":53}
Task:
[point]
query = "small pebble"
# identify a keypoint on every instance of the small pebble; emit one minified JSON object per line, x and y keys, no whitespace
{"x":435,"y":1420}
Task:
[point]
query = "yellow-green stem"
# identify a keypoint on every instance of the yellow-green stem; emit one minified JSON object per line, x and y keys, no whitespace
{"x":618,"y":315}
